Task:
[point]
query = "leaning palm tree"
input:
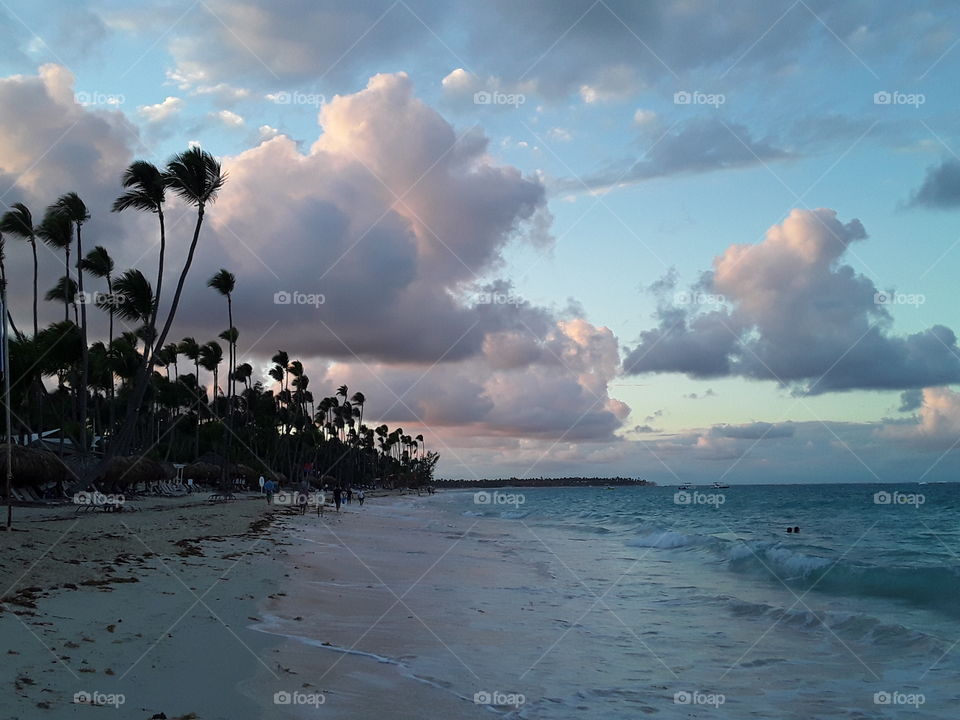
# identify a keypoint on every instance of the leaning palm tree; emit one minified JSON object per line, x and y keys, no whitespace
{"x":76,"y":212}
{"x":56,"y":230}
{"x":19,"y":222}
{"x":146,"y":191}
{"x":196,"y":177}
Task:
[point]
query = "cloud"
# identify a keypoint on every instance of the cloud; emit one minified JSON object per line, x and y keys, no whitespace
{"x":754,"y":431}
{"x":911,"y":400}
{"x":694,"y":396}
{"x":557,"y":393}
{"x":787,"y":310}
{"x":390,"y":215}
{"x":229,"y":118}
{"x":940,"y":188}
{"x":169,"y":108}
{"x":51,"y":144}
{"x":701,"y":145}
{"x":938,"y":427}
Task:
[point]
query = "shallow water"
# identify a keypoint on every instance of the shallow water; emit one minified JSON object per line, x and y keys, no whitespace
{"x":618,"y":603}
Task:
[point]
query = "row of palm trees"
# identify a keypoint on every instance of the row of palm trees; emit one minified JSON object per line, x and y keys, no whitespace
{"x":114,"y":389}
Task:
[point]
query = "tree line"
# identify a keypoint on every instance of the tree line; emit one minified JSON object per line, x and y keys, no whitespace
{"x":125,"y":394}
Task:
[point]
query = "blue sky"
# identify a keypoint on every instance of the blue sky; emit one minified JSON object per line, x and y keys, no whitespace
{"x":622,"y":186}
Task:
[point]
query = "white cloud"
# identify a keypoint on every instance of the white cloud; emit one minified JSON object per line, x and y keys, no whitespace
{"x":644,"y":117}
{"x":267,"y":132}
{"x":230,"y":118}
{"x":938,"y":426}
{"x":162,"y":111}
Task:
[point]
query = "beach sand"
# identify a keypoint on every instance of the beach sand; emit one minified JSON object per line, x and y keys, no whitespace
{"x":188,"y":610}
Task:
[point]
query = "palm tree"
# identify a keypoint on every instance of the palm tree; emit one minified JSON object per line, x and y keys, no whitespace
{"x":56,"y":230}
{"x":64,"y":291}
{"x":190,"y":349}
{"x":76,"y":212}
{"x":197,"y":178}
{"x":224,"y":282}
{"x":134,"y":301}
{"x":358,"y":399}
{"x":243,"y":373}
{"x":19,"y":222}
{"x":146,"y":189}
{"x":99,"y":264}
{"x":211,"y":355}
{"x":171,"y":351}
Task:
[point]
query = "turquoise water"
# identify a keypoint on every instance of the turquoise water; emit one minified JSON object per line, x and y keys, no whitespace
{"x":705,"y":598}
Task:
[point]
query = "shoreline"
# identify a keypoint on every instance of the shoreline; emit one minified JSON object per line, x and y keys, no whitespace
{"x":168,"y":611}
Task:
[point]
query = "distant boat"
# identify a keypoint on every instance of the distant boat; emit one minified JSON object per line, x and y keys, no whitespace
{"x":686,"y":486}
{"x":718,"y":486}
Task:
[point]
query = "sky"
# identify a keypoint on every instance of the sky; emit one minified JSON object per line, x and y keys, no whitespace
{"x":672,"y":240}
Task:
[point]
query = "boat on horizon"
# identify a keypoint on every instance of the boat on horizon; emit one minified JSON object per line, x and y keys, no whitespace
{"x":718,"y":486}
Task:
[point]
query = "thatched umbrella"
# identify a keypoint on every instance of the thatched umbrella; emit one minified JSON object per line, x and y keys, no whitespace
{"x":202,"y":471}
{"x":124,"y":471}
{"x":32,"y":467}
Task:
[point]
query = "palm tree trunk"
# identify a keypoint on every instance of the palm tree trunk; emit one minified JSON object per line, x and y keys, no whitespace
{"x":113,"y":387}
{"x":84,"y":354}
{"x":36,"y":326}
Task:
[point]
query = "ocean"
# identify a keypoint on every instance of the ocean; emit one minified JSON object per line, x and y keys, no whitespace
{"x":651,"y":601}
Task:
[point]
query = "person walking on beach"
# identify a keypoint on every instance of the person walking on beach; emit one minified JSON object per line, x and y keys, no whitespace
{"x":268,"y":488}
{"x":349,"y":495}
{"x":337,"y":497}
{"x":360,"y":497}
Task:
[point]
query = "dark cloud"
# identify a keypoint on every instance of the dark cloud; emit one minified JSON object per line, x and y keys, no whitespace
{"x":702,"y":145}
{"x":754,"y":431}
{"x":940,"y":188}
{"x":911,"y":400}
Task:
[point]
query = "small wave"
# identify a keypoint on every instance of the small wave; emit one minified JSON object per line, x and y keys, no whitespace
{"x":933,"y":587}
{"x":854,"y":627}
{"x":666,"y":540}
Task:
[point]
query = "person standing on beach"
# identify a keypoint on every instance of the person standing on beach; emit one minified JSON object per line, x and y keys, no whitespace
{"x":349,"y":495}
{"x":268,"y":488}
{"x":337,"y":497}
{"x":360,"y":497}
